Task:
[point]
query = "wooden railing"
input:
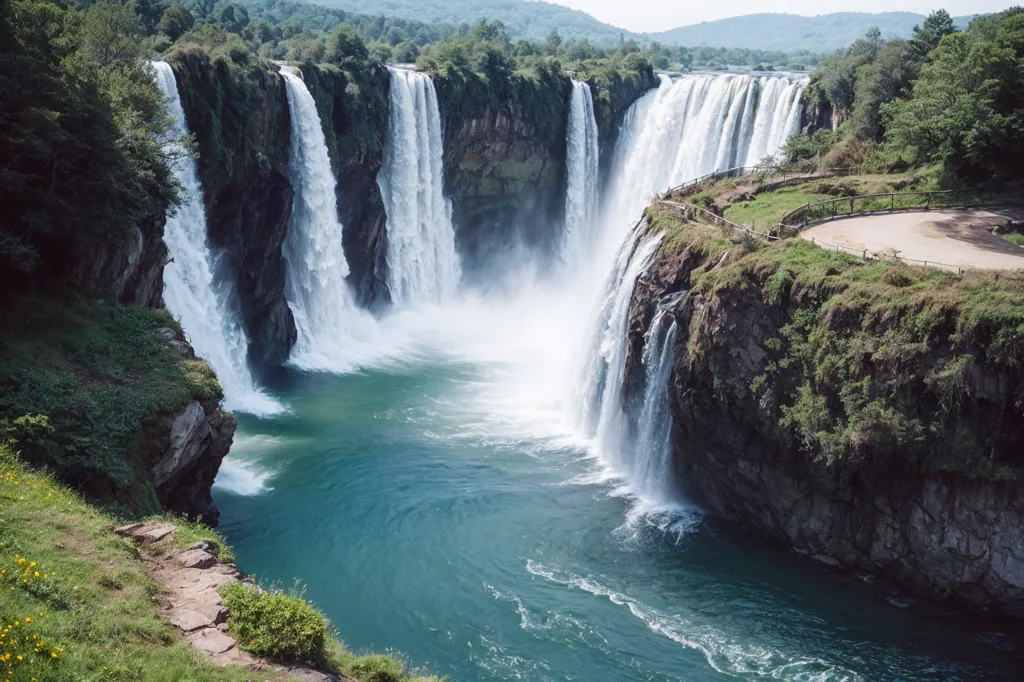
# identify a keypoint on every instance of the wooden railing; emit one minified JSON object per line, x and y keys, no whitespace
{"x":821,"y":211}
{"x":690,"y":211}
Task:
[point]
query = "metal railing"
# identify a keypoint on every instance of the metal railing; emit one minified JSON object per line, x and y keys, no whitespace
{"x":882,"y":255}
{"x":690,"y":211}
{"x":889,"y":202}
{"x":778,"y":173}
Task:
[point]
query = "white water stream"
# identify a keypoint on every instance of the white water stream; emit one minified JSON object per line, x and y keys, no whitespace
{"x":423,"y":266}
{"x":333,"y":332}
{"x":582,"y":197}
{"x":191,"y":293}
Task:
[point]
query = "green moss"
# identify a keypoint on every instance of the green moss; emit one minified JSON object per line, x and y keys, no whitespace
{"x":237,"y":113}
{"x":353,"y":107}
{"x":875,"y":358}
{"x":102,"y":376}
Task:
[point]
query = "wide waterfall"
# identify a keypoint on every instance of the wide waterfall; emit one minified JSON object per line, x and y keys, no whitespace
{"x":330,"y":324}
{"x":423,"y":266}
{"x":191,"y":293}
{"x":582,"y":197}
{"x":694,"y":126}
{"x":686,"y":128}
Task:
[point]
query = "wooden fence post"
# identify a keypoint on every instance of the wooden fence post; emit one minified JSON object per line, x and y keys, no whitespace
{"x":892,"y":203}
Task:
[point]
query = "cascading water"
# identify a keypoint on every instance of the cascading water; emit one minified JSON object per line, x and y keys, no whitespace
{"x":694,"y":126}
{"x":190,"y":291}
{"x":652,"y":451}
{"x":331,"y":327}
{"x":685,"y":129}
{"x":582,"y":163}
{"x":423,"y":266}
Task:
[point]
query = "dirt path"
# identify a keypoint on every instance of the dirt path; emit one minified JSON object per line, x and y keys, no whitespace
{"x":191,"y":603}
{"x":955,"y":237}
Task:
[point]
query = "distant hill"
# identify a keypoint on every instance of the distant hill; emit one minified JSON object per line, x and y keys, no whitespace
{"x":790,"y":32}
{"x":522,"y":18}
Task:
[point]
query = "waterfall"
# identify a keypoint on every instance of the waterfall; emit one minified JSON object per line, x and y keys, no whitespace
{"x":582,"y":194}
{"x":693,"y":126}
{"x":423,"y":266}
{"x":778,"y":117}
{"x":684,"y":129}
{"x":601,"y":414}
{"x":652,"y":452}
{"x":191,"y":293}
{"x":332,"y":329}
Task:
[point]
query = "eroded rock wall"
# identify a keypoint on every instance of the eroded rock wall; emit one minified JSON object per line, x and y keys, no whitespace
{"x":941,"y":515}
{"x":239,"y":117}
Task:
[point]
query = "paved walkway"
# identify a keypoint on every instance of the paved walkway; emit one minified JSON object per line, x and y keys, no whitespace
{"x":958,"y":237}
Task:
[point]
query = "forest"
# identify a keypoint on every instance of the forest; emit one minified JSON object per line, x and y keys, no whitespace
{"x":945,"y":97}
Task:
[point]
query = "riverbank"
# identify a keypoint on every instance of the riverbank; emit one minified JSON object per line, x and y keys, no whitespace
{"x":81,"y":602}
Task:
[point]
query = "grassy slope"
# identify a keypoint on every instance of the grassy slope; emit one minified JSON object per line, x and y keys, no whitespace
{"x":100,"y":617}
{"x":96,"y":596}
{"x":876,"y":356}
{"x":102,"y":375}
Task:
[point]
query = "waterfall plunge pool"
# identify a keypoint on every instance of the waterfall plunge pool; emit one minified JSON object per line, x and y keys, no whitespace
{"x":437,"y":504}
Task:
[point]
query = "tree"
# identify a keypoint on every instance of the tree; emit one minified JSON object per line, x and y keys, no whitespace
{"x":953,"y":117}
{"x":935,"y":26}
{"x":176,"y":21}
{"x":889,"y":76}
{"x":553,"y":43}
{"x":345,"y":47}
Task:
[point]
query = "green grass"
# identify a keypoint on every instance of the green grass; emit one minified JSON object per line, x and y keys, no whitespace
{"x":97,"y":599}
{"x":768,"y":208}
{"x":99,"y":614}
{"x":102,"y":375}
{"x":873,"y":357}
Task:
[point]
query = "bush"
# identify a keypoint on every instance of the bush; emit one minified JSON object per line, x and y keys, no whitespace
{"x":277,"y":625}
{"x":378,"y":668}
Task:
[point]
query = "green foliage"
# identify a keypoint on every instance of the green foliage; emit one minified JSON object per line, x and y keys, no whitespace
{"x":176,"y":21}
{"x":943,"y":98}
{"x":876,"y":361}
{"x":94,"y":608}
{"x":80,"y":120}
{"x":963,"y":112}
{"x":936,"y":25}
{"x":101,"y":375}
{"x":345,"y":48}
{"x":276,"y":625}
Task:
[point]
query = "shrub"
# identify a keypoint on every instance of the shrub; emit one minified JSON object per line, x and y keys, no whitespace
{"x":378,"y":668}
{"x":276,"y":625}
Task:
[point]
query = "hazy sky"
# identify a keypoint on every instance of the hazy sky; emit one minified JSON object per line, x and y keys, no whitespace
{"x":661,"y":15}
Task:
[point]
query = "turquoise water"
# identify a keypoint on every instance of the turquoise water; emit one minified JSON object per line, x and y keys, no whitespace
{"x":429,"y":510}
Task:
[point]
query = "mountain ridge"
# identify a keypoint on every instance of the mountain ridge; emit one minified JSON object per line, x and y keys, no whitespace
{"x":535,"y":19}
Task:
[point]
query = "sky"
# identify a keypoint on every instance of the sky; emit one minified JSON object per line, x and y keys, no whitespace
{"x":661,"y":15}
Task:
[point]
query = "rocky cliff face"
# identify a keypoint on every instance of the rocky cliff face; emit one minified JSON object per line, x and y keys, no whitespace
{"x":130,"y":270}
{"x":505,"y":157}
{"x":239,"y":117}
{"x":614,"y":93}
{"x":353,"y":108}
{"x":183,"y":451}
{"x":504,"y":166}
{"x":806,"y":407}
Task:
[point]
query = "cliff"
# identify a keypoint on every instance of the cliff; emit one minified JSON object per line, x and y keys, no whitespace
{"x":867,"y":414}
{"x":113,"y":402}
{"x":505,"y":152}
{"x":238,"y":114}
